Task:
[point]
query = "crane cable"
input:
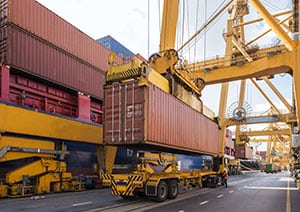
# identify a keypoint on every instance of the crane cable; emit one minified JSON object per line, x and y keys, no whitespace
{"x":206,"y":24}
{"x":148,"y":47}
{"x":197,"y":12}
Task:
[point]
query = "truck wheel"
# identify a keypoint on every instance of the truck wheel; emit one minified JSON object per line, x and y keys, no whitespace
{"x":172,"y":189}
{"x":162,"y":191}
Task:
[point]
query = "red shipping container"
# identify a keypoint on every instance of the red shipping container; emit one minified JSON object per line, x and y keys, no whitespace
{"x":243,"y":152}
{"x":42,"y":22}
{"x":147,"y":117}
{"x":229,"y":141}
{"x":27,"y":53}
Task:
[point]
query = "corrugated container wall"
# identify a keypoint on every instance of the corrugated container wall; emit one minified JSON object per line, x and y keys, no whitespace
{"x":243,"y":152}
{"x":147,"y":116}
{"x":27,"y":53}
{"x":40,"y":21}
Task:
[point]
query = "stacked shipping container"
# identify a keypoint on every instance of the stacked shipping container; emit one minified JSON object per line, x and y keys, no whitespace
{"x":35,"y":40}
{"x":46,"y":64}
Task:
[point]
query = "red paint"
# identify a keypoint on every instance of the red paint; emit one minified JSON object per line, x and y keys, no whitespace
{"x":4,"y":87}
{"x":84,"y":105}
{"x":35,"y":93}
{"x":45,"y":24}
{"x":22,"y":51}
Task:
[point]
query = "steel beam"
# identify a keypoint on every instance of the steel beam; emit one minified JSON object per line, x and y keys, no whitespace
{"x":282,"y":35}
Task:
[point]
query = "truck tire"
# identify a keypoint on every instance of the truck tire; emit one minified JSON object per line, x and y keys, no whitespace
{"x":172,"y":189}
{"x":162,"y":191}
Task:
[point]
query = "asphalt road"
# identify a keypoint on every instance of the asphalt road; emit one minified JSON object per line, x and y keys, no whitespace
{"x":256,"y":192}
{"x":249,"y":192}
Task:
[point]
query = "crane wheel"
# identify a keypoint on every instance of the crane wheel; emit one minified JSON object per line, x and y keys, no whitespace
{"x":162,"y":192}
{"x":172,"y":189}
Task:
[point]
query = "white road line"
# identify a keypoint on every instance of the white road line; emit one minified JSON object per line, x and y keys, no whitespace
{"x":81,"y":203}
{"x":181,"y":211}
{"x":221,"y":195}
{"x":270,"y":188}
{"x":203,"y":203}
{"x":230,"y":191}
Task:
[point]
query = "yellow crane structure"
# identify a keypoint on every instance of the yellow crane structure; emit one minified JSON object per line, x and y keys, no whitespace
{"x":244,"y":61}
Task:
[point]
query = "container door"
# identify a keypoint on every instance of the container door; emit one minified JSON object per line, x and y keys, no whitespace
{"x":124,"y":114}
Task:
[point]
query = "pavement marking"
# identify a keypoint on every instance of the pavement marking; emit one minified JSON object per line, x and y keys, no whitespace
{"x":81,"y":203}
{"x":271,"y":188}
{"x":181,"y":211}
{"x":230,"y":192}
{"x":288,"y":198}
{"x":204,"y":202}
{"x":219,"y":196}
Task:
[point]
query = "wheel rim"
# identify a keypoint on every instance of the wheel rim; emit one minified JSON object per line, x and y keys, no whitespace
{"x":162,"y":191}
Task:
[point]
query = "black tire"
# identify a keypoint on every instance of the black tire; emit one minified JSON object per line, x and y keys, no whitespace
{"x":214,"y":182}
{"x":162,"y":192}
{"x":172,"y":189}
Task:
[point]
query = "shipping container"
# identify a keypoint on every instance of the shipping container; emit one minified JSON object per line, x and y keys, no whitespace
{"x":25,"y":90}
{"x":38,"y":20}
{"x":115,"y":46}
{"x":147,"y":117}
{"x":244,"y":152}
{"x":25,"y":52}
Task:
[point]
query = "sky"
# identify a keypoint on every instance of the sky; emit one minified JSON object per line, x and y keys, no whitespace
{"x":136,"y":24}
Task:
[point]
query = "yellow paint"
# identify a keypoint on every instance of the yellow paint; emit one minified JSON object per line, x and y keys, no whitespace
{"x":109,"y":154}
{"x":24,"y":143}
{"x":29,"y":122}
{"x":158,"y":80}
{"x":169,"y":24}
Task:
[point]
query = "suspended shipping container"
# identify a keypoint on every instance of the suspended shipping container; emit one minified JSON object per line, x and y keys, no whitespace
{"x":150,"y":118}
{"x":244,"y":152}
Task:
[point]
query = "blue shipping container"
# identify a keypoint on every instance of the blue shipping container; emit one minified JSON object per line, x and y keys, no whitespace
{"x":115,"y":46}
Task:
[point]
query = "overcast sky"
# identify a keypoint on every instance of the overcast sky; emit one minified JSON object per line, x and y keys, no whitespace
{"x":127,"y":21}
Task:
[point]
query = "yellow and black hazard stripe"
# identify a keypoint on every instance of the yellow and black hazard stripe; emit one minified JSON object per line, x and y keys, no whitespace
{"x":114,"y":189}
{"x":130,"y":188}
{"x":124,"y":75}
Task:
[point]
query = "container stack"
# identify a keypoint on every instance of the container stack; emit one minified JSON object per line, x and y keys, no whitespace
{"x":49,"y":66}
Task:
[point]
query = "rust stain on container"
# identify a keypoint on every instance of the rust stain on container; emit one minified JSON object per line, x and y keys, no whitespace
{"x":149,"y":117}
{"x":40,"y":21}
{"x":23,"y":51}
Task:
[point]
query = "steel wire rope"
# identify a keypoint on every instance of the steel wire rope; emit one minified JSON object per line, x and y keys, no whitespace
{"x":199,"y":37}
{"x":178,"y":27}
{"x":213,"y":19}
{"x":183,"y":22}
{"x":205,"y":31}
{"x":159,"y":16}
{"x":148,"y":44}
{"x":195,"y":48}
{"x":188,"y":24}
{"x":271,"y":5}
